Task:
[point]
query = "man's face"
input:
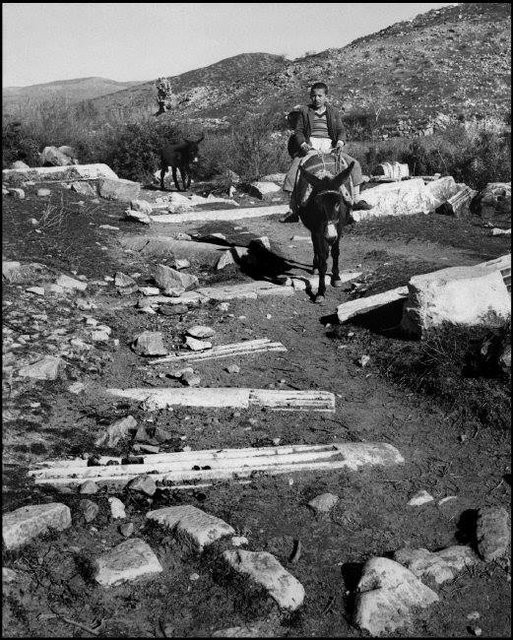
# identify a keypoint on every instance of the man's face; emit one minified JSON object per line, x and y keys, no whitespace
{"x":318,"y":98}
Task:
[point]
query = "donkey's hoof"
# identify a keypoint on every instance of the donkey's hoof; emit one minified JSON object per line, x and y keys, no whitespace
{"x":337,"y":283}
{"x":315,"y":271}
{"x":319,"y":299}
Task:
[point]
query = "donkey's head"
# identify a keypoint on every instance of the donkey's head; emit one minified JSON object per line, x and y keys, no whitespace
{"x":192,"y":149}
{"x":329,"y":202}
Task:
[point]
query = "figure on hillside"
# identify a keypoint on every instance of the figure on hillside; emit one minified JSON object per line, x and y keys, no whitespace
{"x":164,"y":95}
{"x":317,"y":128}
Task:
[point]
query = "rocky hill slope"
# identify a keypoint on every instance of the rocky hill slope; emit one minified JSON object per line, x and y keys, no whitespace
{"x":76,"y":90}
{"x":454,"y":61}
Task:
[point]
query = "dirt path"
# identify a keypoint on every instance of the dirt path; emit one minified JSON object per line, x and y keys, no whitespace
{"x":371,"y":517}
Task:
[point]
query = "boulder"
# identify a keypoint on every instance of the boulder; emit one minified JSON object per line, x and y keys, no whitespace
{"x":441,"y":566}
{"x":137,"y":216}
{"x":323,"y":503}
{"x":84,"y":188}
{"x":26,"y":523}
{"x":142,"y":206}
{"x":17,"y":193}
{"x":493,"y":533}
{"x":388,"y":595}
{"x":47,"y":368}
{"x":191,"y":525}
{"x":264,"y":569}
{"x":117,"y":430}
{"x":131,"y":559}
{"x":168,"y":278}
{"x":397,"y":199}
{"x":117,"y":509}
{"x":143,"y":484}
{"x":493,"y":203}
{"x":19,"y":164}
{"x":89,"y":509}
{"x":442,"y":189}
{"x":52,"y":156}
{"x":457,"y":295}
{"x":120,"y":190}
{"x":263,"y":190}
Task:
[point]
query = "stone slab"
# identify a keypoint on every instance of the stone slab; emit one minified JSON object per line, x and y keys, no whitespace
{"x":224,"y":214}
{"x":192,"y":525}
{"x":348,"y":310}
{"x":397,"y":199}
{"x":77,"y":171}
{"x":26,"y":523}
{"x":117,"y":189}
{"x":131,"y":559}
{"x":264,"y":569}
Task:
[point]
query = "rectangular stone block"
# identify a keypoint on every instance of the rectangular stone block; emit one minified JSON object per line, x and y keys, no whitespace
{"x":192,"y":525}
{"x":121,"y":190}
{"x":23,"y":525}
{"x":131,"y":559}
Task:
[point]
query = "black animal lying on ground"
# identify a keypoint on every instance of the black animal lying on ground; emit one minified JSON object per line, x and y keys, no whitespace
{"x":179,"y":157}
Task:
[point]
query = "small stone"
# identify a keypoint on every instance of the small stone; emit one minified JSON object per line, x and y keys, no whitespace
{"x":225,"y":260}
{"x":89,"y":509}
{"x":421,"y":497}
{"x":143,"y":484}
{"x":182,"y":263}
{"x":440,"y":566}
{"x":117,"y":508}
{"x":100,"y":336}
{"x":197,"y":345}
{"x":150,"y":343}
{"x":71,"y":283}
{"x":17,"y":193}
{"x":89,"y":487}
{"x":364,"y":361}
{"x":122,"y":280}
{"x":223,"y":306}
{"x":477,"y":631}
{"x":200,"y":332}
{"x":48,"y":368}
{"x":126,"y":529}
{"x":117,"y":430}
{"x":298,"y":285}
{"x":324,"y":503}
{"x":239,"y":541}
{"x":194,"y":576}
{"x":493,"y":533}
{"x":191,"y":379}
{"x":473,"y":615}
{"x":42,"y":193}
{"x":232,"y":368}
{"x":149,"y":291}
{"x":131,"y":559}
{"x":38,"y":291}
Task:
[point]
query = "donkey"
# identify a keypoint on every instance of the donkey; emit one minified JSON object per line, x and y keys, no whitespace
{"x":326,"y":212}
{"x":179,"y":156}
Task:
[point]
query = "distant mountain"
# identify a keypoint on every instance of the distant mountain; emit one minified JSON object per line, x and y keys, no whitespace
{"x":451,"y":61}
{"x":74,"y":91}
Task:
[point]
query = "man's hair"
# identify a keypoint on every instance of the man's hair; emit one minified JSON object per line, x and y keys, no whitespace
{"x":319,"y":85}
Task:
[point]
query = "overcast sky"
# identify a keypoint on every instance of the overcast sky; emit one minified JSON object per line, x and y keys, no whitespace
{"x":43,"y":42}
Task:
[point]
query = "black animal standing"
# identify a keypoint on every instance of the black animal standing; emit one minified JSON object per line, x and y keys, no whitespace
{"x":180,"y":157}
{"x":326,"y":212}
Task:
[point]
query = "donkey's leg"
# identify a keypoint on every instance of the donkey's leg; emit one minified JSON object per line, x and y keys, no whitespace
{"x":322,"y":260}
{"x":175,"y":179}
{"x":162,"y":174}
{"x":335,"y":254}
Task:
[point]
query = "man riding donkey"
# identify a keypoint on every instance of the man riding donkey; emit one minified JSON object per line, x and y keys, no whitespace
{"x":318,"y":129}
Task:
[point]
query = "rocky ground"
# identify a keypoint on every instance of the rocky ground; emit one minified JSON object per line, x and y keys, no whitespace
{"x":83,"y":329}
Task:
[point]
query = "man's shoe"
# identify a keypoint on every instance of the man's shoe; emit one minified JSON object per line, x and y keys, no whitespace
{"x":290,"y":217}
{"x":361,"y":205}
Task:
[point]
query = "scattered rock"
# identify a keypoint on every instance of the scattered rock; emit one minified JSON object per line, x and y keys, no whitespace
{"x":232,"y":368}
{"x":122,"y":280}
{"x":137,"y":216}
{"x":388,"y":594}
{"x":100,"y":336}
{"x":264,"y":569}
{"x":299,"y":285}
{"x":197,"y":345}
{"x":168,"y":278}
{"x":500,"y":232}
{"x":200,"y":332}
{"x":263,"y":190}
{"x":89,"y":509}
{"x":440,"y":566}
{"x":149,"y":291}
{"x":71,"y":283}
{"x":126,"y":529}
{"x":141,"y":206}
{"x":43,"y":193}
{"x":191,"y":525}
{"x":116,"y":431}
{"x":89,"y":487}
{"x":421,"y":497}
{"x":53,"y":156}
{"x":181,"y":263}
{"x":225,"y":260}
{"x":493,"y":533}
{"x":38,"y":291}
{"x":150,"y":343}
{"x":129,"y":560}
{"x":21,"y":526}
{"x":120,"y":190}
{"x":19,"y":164}
{"x":143,"y":484}
{"x":76,"y":387}
{"x":84,"y":188}
{"x":117,"y":508}
{"x":324,"y":503}
{"x":239,"y":541}
{"x":48,"y":368}
{"x":191,"y":379}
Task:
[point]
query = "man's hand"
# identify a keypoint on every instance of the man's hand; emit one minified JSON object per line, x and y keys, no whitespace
{"x":340,"y":145}
{"x":305,"y":147}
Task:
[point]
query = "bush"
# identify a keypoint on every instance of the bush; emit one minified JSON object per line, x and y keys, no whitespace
{"x":18,"y":145}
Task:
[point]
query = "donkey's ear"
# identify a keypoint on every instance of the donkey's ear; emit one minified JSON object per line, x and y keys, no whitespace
{"x":202,"y":137}
{"x":339,"y":179}
{"x":316,"y":182}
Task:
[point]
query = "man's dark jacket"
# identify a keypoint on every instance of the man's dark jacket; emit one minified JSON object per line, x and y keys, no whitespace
{"x":304,"y":128}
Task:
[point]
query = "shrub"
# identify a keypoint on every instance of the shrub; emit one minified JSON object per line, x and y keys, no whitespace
{"x":18,"y":145}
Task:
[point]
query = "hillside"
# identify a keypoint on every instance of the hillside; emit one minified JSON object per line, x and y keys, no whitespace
{"x":454,"y":61}
{"x":14,"y":98}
